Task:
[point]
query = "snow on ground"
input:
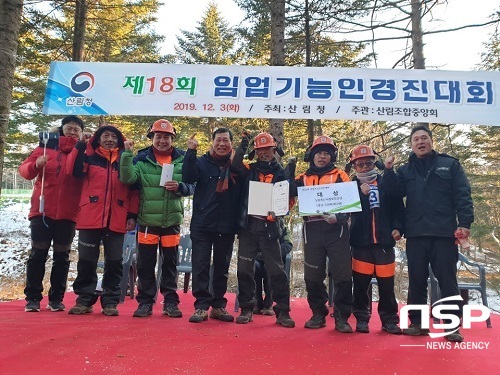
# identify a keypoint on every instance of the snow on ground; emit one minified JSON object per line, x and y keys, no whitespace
{"x":15,"y":239}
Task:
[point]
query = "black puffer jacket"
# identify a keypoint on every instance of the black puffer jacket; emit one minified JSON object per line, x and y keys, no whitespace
{"x":252,"y":174}
{"x":437,"y":201}
{"x":212,"y":211}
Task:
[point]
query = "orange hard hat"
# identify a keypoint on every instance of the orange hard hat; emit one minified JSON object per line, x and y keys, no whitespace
{"x":264,"y":140}
{"x":161,"y":126}
{"x":361,"y":151}
{"x":325,"y":142}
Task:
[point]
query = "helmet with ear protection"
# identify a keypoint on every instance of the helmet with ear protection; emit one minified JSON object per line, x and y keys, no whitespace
{"x":321,"y":140}
{"x":263,"y":140}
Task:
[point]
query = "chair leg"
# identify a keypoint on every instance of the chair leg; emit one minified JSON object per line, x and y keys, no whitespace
{"x":370,"y":297}
{"x":132,"y":278}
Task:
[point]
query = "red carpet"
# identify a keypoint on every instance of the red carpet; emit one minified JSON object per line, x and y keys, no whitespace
{"x":49,"y":342}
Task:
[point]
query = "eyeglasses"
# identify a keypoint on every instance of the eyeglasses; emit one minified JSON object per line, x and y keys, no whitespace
{"x":362,"y":164}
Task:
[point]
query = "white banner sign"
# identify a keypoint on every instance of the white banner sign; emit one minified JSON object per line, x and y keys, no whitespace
{"x":273,"y":92}
{"x":329,"y":198}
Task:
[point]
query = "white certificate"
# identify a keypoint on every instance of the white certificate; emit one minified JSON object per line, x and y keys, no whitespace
{"x":329,"y":198}
{"x":167,"y":172}
{"x":264,"y":197}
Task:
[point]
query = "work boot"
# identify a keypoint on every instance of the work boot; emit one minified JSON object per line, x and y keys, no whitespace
{"x":362,"y":326}
{"x":110,"y":310}
{"x":199,"y":316}
{"x":220,"y":313}
{"x":144,"y":310}
{"x":56,"y":306}
{"x":415,"y":330}
{"x":80,"y":309}
{"x":318,"y":320}
{"x":454,"y":336}
{"x":284,"y":319}
{"x":267,"y":311}
{"x":342,"y":325}
{"x":245,"y":316}
{"x":32,"y":306}
{"x":391,"y":328}
{"x":171,"y":310}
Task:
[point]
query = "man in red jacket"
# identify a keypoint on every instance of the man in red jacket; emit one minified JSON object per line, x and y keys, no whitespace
{"x":108,"y":209}
{"x":52,"y":215}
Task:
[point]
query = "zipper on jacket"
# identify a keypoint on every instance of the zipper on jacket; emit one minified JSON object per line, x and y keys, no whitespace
{"x":106,"y":195}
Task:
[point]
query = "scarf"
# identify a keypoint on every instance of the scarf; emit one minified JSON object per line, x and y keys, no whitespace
{"x":224,"y":163}
{"x":267,"y":167}
{"x":367,"y":177}
{"x":163,"y":153}
{"x":320,"y":171}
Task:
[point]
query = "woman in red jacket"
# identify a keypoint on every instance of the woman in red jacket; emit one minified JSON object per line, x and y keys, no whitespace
{"x":108,"y":208}
{"x":53,"y":221}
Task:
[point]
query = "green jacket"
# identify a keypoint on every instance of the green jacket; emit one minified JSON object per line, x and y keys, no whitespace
{"x":158,"y":206}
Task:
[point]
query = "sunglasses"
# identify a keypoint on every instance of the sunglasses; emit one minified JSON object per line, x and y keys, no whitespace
{"x":362,"y":164}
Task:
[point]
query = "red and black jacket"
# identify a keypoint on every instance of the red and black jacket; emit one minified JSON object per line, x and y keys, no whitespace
{"x":105,"y":201}
{"x":61,"y":191}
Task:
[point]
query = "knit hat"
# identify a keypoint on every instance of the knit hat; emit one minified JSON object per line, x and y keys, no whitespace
{"x":323,"y":147}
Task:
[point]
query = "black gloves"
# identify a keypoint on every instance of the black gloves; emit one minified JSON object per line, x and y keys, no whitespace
{"x":245,"y":141}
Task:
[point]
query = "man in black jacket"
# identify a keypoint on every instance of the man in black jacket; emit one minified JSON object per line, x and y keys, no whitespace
{"x":438,"y":196}
{"x":214,"y":222}
{"x":260,"y":233}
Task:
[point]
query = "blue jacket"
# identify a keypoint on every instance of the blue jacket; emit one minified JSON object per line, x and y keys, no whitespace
{"x":368,"y":225}
{"x":212,"y":211}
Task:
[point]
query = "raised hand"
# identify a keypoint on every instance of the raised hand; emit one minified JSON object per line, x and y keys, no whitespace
{"x":192,"y":142}
{"x":389,"y":162}
{"x":128,"y":145}
{"x":40,"y":162}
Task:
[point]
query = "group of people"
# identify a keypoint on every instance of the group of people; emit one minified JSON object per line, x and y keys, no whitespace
{"x":95,"y":184}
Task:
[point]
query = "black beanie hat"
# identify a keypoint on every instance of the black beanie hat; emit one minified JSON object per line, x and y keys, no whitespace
{"x":323,"y":147}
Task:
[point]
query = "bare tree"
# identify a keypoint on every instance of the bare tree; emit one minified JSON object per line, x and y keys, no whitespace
{"x":10,"y":23}
{"x":277,"y":56}
{"x":79,"y":30}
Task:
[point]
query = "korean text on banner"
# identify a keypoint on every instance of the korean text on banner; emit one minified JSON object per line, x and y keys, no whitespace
{"x":411,"y":95}
{"x":329,"y":198}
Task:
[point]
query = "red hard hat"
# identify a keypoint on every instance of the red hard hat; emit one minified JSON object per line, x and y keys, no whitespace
{"x":361,"y":151}
{"x":161,"y":126}
{"x":264,"y":140}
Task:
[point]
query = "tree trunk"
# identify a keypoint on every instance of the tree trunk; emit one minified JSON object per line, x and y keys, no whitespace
{"x":79,"y":31}
{"x":416,"y":35}
{"x":10,"y":23}
{"x":417,"y":39}
{"x":277,"y":56}
{"x":307,"y":31}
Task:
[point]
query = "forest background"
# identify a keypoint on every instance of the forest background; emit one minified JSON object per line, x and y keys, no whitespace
{"x":320,"y":33}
